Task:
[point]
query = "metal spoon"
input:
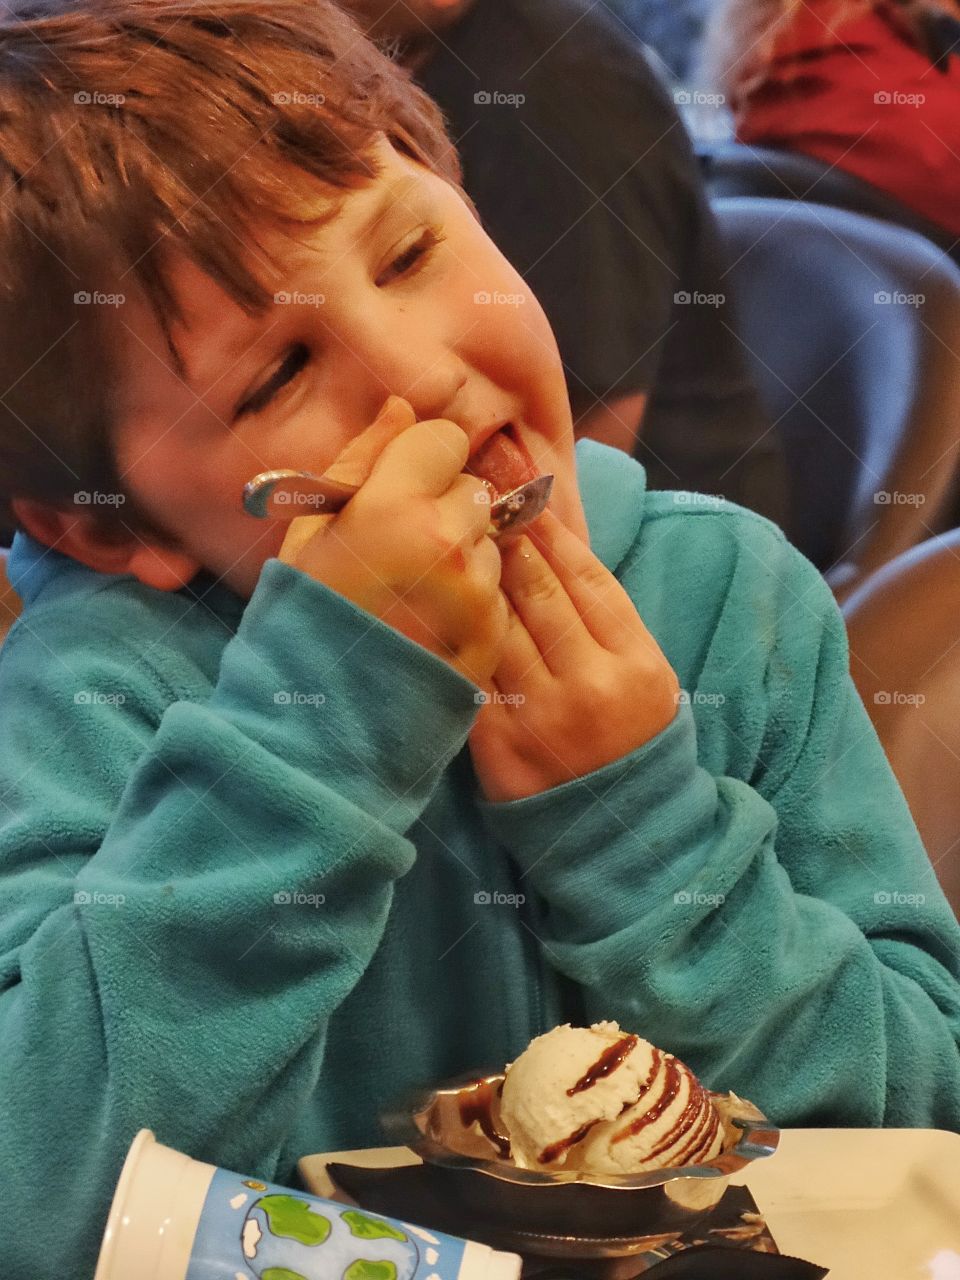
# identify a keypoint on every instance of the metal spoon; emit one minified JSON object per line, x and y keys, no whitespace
{"x":284,"y":495}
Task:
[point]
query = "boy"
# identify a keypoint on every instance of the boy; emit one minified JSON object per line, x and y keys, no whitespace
{"x":268,"y":856}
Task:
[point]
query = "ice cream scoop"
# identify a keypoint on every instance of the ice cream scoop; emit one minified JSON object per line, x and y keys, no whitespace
{"x":600,"y":1101}
{"x":284,"y":495}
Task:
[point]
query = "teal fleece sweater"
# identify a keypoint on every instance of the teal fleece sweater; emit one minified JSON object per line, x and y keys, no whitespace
{"x":250,"y":890}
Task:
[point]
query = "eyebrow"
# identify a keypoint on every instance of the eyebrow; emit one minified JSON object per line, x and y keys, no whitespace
{"x":233,"y":348}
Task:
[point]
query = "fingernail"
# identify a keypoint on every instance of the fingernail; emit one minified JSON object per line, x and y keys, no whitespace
{"x":391,"y":405}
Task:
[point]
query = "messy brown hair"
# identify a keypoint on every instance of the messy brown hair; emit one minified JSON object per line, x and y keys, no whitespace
{"x":131,"y":130}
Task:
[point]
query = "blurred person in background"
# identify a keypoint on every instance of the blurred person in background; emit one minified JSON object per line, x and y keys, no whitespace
{"x":583,"y":175}
{"x":871,"y":86}
{"x":672,"y":27}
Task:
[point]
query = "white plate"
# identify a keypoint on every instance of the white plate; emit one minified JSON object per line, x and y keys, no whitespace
{"x":870,"y":1204}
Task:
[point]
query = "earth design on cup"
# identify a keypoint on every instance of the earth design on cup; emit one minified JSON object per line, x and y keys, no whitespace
{"x":285,"y":1238}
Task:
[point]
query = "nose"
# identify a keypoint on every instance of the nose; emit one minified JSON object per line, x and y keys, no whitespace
{"x":394,"y":355}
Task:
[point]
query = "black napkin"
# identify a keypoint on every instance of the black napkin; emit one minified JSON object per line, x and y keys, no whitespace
{"x":711,"y":1262}
{"x":413,"y":1193}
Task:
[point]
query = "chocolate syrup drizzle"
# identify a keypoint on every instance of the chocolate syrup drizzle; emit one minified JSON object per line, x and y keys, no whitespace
{"x":605,"y":1065}
{"x":476,"y":1105}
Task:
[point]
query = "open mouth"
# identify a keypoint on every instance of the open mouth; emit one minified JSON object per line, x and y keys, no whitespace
{"x":503,"y":461}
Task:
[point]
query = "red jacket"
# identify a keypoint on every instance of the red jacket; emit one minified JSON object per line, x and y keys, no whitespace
{"x":865,"y":97}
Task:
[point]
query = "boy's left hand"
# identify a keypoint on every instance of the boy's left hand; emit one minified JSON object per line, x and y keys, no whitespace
{"x":581,"y":682}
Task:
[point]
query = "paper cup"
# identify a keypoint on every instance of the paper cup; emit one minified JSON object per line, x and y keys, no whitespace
{"x":174,"y":1218}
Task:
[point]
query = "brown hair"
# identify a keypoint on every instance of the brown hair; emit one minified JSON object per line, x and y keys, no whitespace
{"x":133,"y":129}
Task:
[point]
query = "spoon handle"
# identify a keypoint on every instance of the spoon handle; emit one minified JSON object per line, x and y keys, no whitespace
{"x":284,"y":495}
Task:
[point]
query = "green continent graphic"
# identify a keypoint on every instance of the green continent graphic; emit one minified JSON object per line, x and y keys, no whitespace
{"x":370,"y":1228}
{"x":363,"y":1269}
{"x":295,"y":1219}
{"x":282,"y":1273}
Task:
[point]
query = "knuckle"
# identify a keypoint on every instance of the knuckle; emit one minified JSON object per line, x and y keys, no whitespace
{"x":539,"y":589}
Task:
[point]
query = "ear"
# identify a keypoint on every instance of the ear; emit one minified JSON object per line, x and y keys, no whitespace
{"x":86,"y":538}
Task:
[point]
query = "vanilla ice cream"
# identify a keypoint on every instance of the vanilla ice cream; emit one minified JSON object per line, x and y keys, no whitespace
{"x":600,"y":1101}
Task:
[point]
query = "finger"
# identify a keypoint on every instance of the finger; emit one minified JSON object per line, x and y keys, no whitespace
{"x":423,"y":461}
{"x":354,"y":463}
{"x":299,"y":532}
{"x":543,"y":605}
{"x":521,"y":666}
{"x":465,"y":509}
{"x":607,"y":611}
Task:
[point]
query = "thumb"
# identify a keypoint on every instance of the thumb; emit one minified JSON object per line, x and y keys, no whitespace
{"x":354,"y":463}
{"x":351,"y":466}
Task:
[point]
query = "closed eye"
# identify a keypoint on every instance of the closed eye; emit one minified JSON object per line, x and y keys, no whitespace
{"x":404,"y":265}
{"x":413,"y":256}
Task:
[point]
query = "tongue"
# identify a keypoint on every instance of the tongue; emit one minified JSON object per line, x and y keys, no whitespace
{"x":503,"y":463}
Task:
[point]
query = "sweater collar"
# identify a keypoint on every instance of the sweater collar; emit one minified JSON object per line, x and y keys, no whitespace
{"x":613,"y":488}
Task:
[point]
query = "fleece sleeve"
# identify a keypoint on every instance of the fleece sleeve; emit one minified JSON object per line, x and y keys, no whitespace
{"x":171,"y":960}
{"x":783,"y":932}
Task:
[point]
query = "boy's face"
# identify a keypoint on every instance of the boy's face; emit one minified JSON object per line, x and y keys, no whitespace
{"x":377,"y":304}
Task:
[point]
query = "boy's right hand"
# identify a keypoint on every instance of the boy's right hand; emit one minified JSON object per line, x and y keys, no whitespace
{"x":411,"y":547}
